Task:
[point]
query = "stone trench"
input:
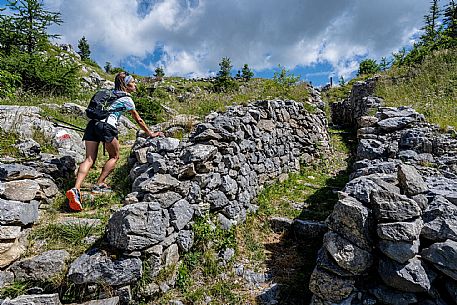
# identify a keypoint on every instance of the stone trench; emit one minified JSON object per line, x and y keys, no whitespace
{"x":219,"y":169}
{"x":391,"y":239}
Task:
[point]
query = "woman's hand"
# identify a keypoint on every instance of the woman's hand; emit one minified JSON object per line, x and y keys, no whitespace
{"x":155,"y":134}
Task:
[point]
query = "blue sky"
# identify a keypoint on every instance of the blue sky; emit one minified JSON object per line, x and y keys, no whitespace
{"x":311,"y":38}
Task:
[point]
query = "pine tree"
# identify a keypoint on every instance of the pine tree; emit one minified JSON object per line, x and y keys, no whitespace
{"x":224,"y":81}
{"x":84,"y":49}
{"x":246,"y":73}
{"x":28,"y":24}
{"x":431,"y":24}
{"x":108,"y":67}
{"x":368,"y":66}
{"x":450,"y":19}
{"x":159,"y":73}
{"x":341,"y":81}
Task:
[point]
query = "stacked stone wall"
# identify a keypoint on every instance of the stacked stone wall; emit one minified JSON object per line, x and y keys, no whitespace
{"x":219,"y":169}
{"x":392,"y":235}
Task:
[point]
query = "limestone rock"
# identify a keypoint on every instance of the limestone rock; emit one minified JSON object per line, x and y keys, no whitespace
{"x":42,"y":299}
{"x":9,"y":172}
{"x":330,"y":287}
{"x":181,"y":213}
{"x":346,"y":254}
{"x":400,"y":231}
{"x":41,"y":267}
{"x":19,"y":190}
{"x":443,"y":256}
{"x":440,"y":220}
{"x":410,"y":180}
{"x":399,"y":251}
{"x":198,"y":153}
{"x":17,"y":213}
{"x":410,"y":277}
{"x":394,"y":207}
{"x":137,"y":226}
{"x":352,"y":221}
{"x":95,"y":267}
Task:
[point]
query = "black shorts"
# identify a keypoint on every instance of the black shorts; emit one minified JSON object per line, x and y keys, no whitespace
{"x":97,"y":131}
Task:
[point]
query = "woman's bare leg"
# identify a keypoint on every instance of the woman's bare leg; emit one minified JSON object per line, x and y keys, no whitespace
{"x":113,"y":151}
{"x":84,"y":167}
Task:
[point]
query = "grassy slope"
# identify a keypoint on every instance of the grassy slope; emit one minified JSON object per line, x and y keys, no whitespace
{"x":430,"y":88}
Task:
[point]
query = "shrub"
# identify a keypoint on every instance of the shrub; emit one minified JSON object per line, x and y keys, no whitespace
{"x":150,"y":109}
{"x":40,"y":73}
{"x":9,"y":82}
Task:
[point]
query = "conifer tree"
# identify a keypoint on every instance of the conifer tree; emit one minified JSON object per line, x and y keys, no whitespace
{"x":159,"y":73}
{"x":450,"y":19}
{"x":28,"y":24}
{"x":368,"y":66}
{"x":246,"y":73}
{"x":431,"y":24}
{"x":224,"y":81}
{"x":84,"y":49}
{"x":108,"y":67}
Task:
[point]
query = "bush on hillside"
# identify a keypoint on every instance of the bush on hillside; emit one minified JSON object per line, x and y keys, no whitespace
{"x":9,"y":82}
{"x":150,"y":109}
{"x":44,"y":74}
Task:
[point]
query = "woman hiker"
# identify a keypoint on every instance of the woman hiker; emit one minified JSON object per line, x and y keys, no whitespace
{"x":106,"y":131}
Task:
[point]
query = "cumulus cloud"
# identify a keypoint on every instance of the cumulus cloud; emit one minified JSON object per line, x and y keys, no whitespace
{"x":194,"y":35}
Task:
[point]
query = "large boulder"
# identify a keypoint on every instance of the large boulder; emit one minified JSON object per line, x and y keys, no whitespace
{"x":409,"y":277}
{"x":95,"y":267}
{"x":18,"y":213}
{"x":353,"y":222}
{"x":41,"y":267}
{"x":443,"y":256}
{"x":440,"y":220}
{"x":137,"y":226}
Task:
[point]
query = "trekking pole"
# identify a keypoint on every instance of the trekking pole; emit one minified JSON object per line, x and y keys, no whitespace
{"x":69,"y":126}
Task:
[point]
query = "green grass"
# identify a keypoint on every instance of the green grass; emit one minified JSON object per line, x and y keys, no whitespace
{"x":204,"y":100}
{"x":7,"y":141}
{"x":430,"y":88}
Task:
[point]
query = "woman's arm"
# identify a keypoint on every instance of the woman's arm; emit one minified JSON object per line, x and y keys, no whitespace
{"x":139,"y":120}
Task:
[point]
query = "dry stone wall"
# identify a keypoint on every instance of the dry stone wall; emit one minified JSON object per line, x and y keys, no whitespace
{"x":392,"y":235}
{"x":219,"y":169}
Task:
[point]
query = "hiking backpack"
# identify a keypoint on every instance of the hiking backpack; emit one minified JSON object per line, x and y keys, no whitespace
{"x":100,"y":102}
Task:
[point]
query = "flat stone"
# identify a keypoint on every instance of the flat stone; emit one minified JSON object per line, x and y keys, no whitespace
{"x":9,"y":232}
{"x":440,"y":220}
{"x":17,"y":213}
{"x":400,"y":231}
{"x":15,"y":251}
{"x":330,"y":287}
{"x":20,"y":190}
{"x":42,"y":299}
{"x":399,"y":251}
{"x":198,"y":153}
{"x":394,"y":207}
{"x":352,"y":221}
{"x":347,"y":255}
{"x":95,"y":267}
{"x":158,"y":183}
{"x":444,"y":187}
{"x":9,"y":172}
{"x":41,"y":267}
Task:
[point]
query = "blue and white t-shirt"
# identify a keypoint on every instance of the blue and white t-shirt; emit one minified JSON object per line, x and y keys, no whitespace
{"x":122,"y":104}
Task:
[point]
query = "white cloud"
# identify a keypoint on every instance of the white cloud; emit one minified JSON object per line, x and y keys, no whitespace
{"x":196,"y":34}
